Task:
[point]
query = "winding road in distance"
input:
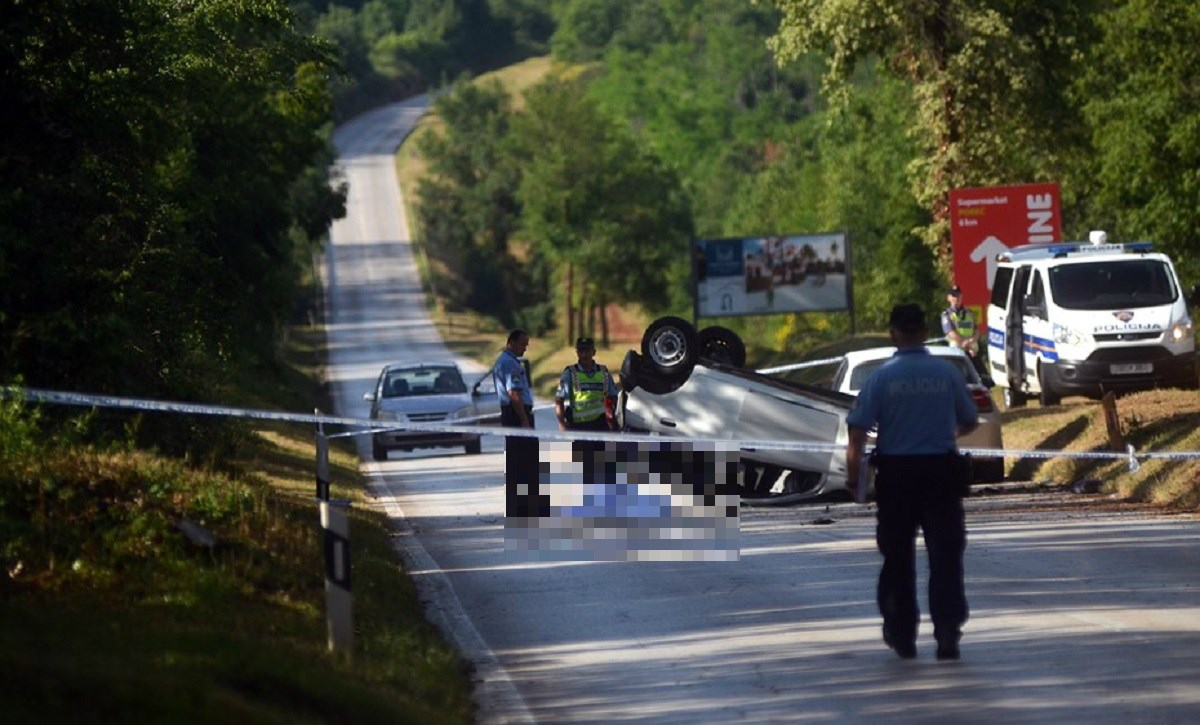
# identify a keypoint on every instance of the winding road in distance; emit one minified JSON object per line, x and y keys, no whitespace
{"x":1076,"y":616}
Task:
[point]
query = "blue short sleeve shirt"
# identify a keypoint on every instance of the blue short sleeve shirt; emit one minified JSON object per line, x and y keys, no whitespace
{"x":917,"y":401}
{"x":509,"y":374}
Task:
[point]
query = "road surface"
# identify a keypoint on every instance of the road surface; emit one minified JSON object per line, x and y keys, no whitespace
{"x":1076,"y":616}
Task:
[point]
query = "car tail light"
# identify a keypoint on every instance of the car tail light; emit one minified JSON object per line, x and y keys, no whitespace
{"x":982,"y":399}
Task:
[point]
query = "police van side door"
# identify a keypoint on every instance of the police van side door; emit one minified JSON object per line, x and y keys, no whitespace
{"x":1039,"y":339}
{"x":1014,"y":329}
{"x":997,"y":323}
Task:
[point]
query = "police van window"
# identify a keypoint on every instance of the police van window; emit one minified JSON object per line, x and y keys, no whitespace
{"x":1113,"y":284}
{"x":1037,"y":294}
{"x":1000,"y":287}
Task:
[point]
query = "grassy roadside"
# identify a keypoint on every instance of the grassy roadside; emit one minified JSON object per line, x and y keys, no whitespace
{"x":108,"y":613}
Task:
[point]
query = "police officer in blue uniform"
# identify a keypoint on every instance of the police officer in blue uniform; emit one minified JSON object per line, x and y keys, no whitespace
{"x":512,"y":385}
{"x":918,"y":404}
{"x":521,"y":454}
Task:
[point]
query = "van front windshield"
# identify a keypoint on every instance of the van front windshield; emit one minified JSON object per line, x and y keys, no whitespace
{"x":1112,"y":284}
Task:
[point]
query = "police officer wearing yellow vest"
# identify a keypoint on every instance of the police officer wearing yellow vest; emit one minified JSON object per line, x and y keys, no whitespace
{"x":586,"y":393}
{"x":958,"y":325}
{"x":919,"y":404}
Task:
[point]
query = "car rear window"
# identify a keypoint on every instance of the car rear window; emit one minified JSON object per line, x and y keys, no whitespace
{"x":859,"y":375}
{"x":423,"y":381}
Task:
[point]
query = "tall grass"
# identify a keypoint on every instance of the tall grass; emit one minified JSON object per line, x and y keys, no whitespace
{"x":109,"y":612}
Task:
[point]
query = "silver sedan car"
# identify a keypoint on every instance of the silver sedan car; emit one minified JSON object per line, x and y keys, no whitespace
{"x":857,"y":366}
{"x":431,"y":392}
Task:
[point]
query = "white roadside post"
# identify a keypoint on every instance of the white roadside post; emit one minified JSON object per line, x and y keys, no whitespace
{"x":335,"y":525}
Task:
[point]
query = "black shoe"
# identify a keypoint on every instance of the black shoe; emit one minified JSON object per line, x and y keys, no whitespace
{"x":906,"y":649}
{"x":947,"y":648}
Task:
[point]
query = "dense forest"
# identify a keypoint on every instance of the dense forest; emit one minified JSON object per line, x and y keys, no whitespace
{"x":168,"y":179}
{"x":741,"y":118}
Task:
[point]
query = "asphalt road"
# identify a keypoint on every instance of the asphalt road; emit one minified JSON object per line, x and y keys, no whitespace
{"x":1077,"y":615}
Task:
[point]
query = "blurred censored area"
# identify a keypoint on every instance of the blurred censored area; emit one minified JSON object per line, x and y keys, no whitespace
{"x":618,"y":501}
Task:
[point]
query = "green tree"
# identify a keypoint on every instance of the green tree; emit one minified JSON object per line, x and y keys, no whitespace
{"x":987,"y":79}
{"x":161,"y":150}
{"x":467,"y":207}
{"x":603,"y":208}
{"x":1141,"y":106}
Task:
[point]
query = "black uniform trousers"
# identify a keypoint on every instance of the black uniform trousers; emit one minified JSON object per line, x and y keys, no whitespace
{"x":923,"y":492}
{"x":587,"y":452}
{"x":521,"y":469}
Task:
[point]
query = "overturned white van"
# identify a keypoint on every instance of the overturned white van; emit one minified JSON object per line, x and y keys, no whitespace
{"x":1083,"y":318}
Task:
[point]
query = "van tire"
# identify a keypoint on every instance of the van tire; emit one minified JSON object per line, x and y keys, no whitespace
{"x":1049,"y":397}
{"x":1013,"y":399}
{"x":378,"y":452}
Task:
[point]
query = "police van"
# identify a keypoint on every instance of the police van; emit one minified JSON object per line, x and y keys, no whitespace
{"x":1083,"y":318}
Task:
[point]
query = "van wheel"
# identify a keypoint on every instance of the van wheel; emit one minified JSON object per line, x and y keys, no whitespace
{"x":722,"y":345}
{"x":1049,"y":396}
{"x":669,"y":344}
{"x":1013,"y":399}
{"x":378,"y":452}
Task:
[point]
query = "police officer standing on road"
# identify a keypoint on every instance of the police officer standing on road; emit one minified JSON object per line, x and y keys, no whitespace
{"x":512,"y":385}
{"x":919,"y":404}
{"x":958,"y":325}
{"x":516,"y":411}
{"x":586,"y":394}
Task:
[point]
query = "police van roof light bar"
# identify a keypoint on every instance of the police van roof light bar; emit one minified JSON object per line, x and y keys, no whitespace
{"x":1063,"y":249}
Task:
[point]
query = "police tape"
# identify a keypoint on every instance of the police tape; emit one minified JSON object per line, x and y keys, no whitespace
{"x":365,"y":426}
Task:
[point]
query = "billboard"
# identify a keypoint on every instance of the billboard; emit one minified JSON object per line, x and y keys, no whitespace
{"x":987,"y":221}
{"x":766,"y":275}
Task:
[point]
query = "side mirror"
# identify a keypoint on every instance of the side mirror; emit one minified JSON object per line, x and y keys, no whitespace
{"x":369,"y":397}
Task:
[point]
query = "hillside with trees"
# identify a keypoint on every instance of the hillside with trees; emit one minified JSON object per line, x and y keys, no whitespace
{"x":802,"y":116}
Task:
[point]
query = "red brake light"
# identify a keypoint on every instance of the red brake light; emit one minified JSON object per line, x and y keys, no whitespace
{"x":982,"y":399}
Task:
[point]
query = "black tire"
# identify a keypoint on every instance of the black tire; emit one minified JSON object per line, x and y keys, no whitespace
{"x":630,"y":367}
{"x":669,"y":346}
{"x":378,"y":452}
{"x":1049,"y":396}
{"x":474,"y":447}
{"x":721,"y":345}
{"x":1013,"y":399}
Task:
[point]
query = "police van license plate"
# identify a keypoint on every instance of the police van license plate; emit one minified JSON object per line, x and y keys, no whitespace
{"x":1131,"y":368}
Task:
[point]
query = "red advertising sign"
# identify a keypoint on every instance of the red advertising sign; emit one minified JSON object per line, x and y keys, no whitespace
{"x":985,"y":222}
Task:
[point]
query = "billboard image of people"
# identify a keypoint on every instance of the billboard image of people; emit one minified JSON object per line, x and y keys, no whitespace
{"x":764,"y":275}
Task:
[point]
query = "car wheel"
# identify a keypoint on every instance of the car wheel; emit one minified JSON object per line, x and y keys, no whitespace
{"x":1049,"y":396}
{"x":721,"y":345}
{"x":474,"y":447}
{"x":1013,"y":399}
{"x":669,"y":344}
{"x":378,"y":452}
{"x":630,"y":367}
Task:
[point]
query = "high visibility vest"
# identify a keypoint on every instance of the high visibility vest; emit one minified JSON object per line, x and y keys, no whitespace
{"x":587,"y":393}
{"x":963,"y":321}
